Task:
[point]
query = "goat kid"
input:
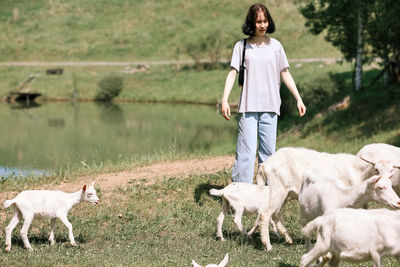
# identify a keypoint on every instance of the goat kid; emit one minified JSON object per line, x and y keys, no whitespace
{"x":355,"y":235}
{"x":223,"y":263}
{"x":242,"y":197}
{"x":46,"y":204}
{"x":320,"y":195}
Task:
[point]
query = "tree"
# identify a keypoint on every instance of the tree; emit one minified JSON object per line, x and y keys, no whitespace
{"x":344,"y":22}
{"x":361,"y":30}
{"x":383,"y":34}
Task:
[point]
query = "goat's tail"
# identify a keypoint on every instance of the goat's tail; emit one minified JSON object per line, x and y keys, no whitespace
{"x":216,"y":192}
{"x":8,"y":203}
{"x":311,"y":227}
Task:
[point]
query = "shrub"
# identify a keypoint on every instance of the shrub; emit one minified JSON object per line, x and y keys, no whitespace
{"x":110,"y":87}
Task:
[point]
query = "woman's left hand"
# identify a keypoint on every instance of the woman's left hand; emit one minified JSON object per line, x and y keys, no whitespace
{"x":301,"y":107}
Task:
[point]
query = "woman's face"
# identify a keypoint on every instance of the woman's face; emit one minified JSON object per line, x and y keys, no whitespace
{"x":261,"y":24}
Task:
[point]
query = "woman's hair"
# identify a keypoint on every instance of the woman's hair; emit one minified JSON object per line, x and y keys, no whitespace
{"x":249,"y":26}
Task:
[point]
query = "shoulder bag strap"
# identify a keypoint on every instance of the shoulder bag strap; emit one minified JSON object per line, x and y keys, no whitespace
{"x":243,"y":53}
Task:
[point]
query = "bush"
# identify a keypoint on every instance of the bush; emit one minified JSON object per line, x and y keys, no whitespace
{"x":110,"y":87}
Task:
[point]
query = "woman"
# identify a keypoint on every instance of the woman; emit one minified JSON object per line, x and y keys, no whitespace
{"x":259,"y":103}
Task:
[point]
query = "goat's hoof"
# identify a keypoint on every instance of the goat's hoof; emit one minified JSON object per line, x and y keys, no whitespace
{"x":267,"y":247}
{"x":8,"y":249}
{"x":74,"y":244}
{"x":30,"y":249}
{"x":289,"y":241}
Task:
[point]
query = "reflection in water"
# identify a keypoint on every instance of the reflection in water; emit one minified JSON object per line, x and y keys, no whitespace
{"x":111,"y":113}
{"x":18,"y":172}
{"x":24,"y":105}
{"x":59,"y":135}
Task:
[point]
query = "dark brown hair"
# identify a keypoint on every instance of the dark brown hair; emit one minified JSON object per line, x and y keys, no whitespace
{"x":249,"y":26}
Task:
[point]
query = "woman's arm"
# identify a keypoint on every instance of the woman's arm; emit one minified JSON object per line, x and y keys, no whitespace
{"x":230,"y":80}
{"x":291,"y":85}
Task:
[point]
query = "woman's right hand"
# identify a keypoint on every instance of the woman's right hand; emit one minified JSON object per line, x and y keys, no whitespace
{"x":225,"y":110}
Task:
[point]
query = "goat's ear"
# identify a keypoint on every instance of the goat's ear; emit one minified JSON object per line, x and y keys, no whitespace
{"x":374,"y":179}
{"x":377,"y":178}
{"x":224,"y":261}
{"x":393,"y":172}
{"x":84,"y":188}
{"x":195,"y":264}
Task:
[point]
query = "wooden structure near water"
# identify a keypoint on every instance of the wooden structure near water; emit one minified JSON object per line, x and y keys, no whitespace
{"x":22,"y":93}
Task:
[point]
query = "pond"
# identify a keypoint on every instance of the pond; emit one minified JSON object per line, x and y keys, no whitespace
{"x":53,"y":136}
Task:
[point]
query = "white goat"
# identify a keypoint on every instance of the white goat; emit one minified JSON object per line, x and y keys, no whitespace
{"x":49,"y":204}
{"x":242,"y":197}
{"x":223,"y":263}
{"x":283,"y":172}
{"x":380,"y":151}
{"x":355,"y":235}
{"x":374,"y":152}
{"x":320,"y":195}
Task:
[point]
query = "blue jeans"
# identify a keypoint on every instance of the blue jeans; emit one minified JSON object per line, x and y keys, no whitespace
{"x":252,"y":125}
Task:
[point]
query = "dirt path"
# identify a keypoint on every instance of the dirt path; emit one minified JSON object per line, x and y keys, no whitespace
{"x":151,"y":173}
{"x":129,"y":63}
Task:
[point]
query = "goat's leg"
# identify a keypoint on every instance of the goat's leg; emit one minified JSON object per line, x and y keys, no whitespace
{"x":255,"y":225}
{"x":321,"y":248}
{"x":238,"y":219}
{"x":276,"y":217}
{"x":24,"y":231}
{"x":53,"y":223}
{"x":65,"y":221}
{"x":220,"y":219}
{"x":265,"y":217}
{"x":276,"y":199}
{"x":10,"y":227}
{"x":314,"y":254}
{"x":334,"y":261}
{"x":397,"y":258}
{"x":376,"y":259}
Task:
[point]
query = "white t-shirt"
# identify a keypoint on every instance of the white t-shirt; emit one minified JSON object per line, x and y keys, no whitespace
{"x":262,"y":80}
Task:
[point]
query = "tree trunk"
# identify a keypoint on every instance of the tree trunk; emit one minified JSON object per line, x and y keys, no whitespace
{"x":358,"y":74}
{"x":396,"y":67}
{"x":386,"y":75}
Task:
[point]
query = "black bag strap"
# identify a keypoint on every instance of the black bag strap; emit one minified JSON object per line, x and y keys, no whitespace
{"x":244,"y":53}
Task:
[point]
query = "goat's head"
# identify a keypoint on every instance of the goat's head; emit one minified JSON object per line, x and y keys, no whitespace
{"x":89,"y":194}
{"x":223,"y":263}
{"x":382,"y":191}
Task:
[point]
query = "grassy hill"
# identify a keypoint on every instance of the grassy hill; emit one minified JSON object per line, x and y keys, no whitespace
{"x":54,"y":30}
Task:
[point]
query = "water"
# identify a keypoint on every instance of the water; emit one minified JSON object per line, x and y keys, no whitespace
{"x":51,"y":136}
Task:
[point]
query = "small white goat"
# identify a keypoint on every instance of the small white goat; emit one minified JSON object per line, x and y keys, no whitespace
{"x":355,"y":235}
{"x":242,"y":197}
{"x":283,"y":172}
{"x":48,"y":204}
{"x":320,"y":195}
{"x":223,"y":263}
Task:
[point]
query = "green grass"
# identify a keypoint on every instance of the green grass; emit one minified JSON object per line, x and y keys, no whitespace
{"x":166,"y":224}
{"x":140,"y":30}
{"x":158,"y":83}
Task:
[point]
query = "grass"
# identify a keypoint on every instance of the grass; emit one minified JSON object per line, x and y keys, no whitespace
{"x":165,"y":224}
{"x":172,"y":222}
{"x":158,"y":83}
{"x":140,"y":30}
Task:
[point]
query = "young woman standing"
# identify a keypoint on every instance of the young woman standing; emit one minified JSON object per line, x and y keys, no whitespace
{"x":259,"y":104}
